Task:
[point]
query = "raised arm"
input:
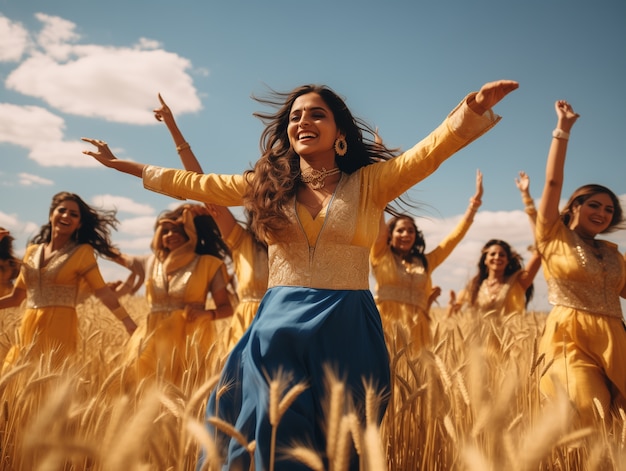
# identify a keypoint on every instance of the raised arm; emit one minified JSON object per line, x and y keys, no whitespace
{"x":187,"y":157}
{"x":549,"y":205}
{"x":448,"y":244}
{"x":106,"y":158}
{"x":523,"y":185}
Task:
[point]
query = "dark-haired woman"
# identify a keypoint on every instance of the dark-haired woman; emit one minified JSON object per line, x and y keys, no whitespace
{"x":585,"y":340}
{"x":315,"y":197}
{"x":249,"y":255}
{"x":403,"y":271}
{"x":61,"y":259}
{"x":187,"y":265}
{"x":502,"y":285}
{"x":9,"y":263}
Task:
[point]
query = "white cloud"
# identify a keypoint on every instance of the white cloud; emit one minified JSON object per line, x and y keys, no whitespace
{"x":42,"y":133}
{"x":117,"y":84}
{"x":20,"y":230}
{"x":27,"y":179}
{"x":121,"y":204}
{"x":136,"y":246}
{"x":20,"y":125}
{"x":14,"y":40}
{"x":145,"y":43}
{"x":138,"y":227}
{"x":55,"y":36}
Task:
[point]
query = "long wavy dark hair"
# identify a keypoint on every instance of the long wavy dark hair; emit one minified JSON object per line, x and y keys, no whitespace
{"x":419,"y":245}
{"x":515,"y":264}
{"x":209,"y":239}
{"x":7,"y":254}
{"x":585,"y":192}
{"x":275,"y":176}
{"x":95,"y":226}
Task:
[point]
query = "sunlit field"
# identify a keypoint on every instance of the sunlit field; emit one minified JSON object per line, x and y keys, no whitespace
{"x":470,"y":403}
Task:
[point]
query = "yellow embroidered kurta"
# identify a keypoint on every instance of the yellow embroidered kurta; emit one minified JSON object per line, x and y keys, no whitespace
{"x":379,"y":183}
{"x":318,"y":294}
{"x":584,"y":334}
{"x":510,"y":299}
{"x":50,"y":322}
{"x":251,"y":269}
{"x":402,"y":289}
{"x":169,"y":341}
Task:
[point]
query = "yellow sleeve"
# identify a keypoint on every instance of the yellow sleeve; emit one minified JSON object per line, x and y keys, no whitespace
{"x":236,"y":238}
{"x":447,"y":245}
{"x":225,"y":190}
{"x":385,"y":181}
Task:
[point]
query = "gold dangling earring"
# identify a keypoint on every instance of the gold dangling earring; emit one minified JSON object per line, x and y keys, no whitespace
{"x":341,"y":146}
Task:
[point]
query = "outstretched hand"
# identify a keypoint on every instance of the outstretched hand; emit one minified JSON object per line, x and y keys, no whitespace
{"x":523,"y":182}
{"x":104,"y":154}
{"x":492,"y":92}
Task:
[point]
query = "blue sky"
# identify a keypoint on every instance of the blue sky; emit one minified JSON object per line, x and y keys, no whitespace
{"x":76,"y":68}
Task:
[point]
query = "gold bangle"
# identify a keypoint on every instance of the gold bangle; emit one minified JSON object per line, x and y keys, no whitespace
{"x":530,"y":209}
{"x":183,"y":146}
{"x":120,"y":312}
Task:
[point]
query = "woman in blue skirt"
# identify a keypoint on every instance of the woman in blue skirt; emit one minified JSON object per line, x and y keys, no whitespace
{"x":315,"y":197}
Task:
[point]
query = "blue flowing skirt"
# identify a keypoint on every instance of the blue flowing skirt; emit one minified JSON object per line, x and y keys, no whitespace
{"x":301,"y":332}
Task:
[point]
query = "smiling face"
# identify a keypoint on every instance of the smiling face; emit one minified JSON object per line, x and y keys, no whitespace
{"x":312,"y":130}
{"x":172,"y":235}
{"x":496,"y":259}
{"x":65,"y":218}
{"x":403,"y":236}
{"x":593,"y":216}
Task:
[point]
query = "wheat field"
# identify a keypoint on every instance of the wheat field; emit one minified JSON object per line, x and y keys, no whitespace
{"x":471,"y":402}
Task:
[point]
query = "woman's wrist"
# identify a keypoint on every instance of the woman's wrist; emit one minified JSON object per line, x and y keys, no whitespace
{"x":181,"y":147}
{"x":475,"y":106}
{"x":121,"y":313}
{"x":474,"y":204}
{"x":559,"y":133}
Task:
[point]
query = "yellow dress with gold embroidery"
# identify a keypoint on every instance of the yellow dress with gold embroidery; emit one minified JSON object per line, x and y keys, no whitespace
{"x":402,"y":289}
{"x":169,"y":341}
{"x":251,"y":270}
{"x":50,"y":323}
{"x":585,"y":335}
{"x":318,"y":312}
{"x":510,"y":299}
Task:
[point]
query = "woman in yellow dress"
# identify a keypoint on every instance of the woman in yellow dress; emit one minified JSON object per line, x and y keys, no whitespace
{"x":403,"y":271}
{"x":187,"y":264}
{"x":502,"y":284}
{"x":251,"y":270}
{"x":585,"y":339}
{"x":315,"y":196}
{"x":248,"y":254}
{"x":58,"y":263}
{"x":9,"y":263}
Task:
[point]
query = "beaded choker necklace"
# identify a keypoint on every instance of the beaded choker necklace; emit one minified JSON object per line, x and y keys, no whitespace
{"x":315,"y":178}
